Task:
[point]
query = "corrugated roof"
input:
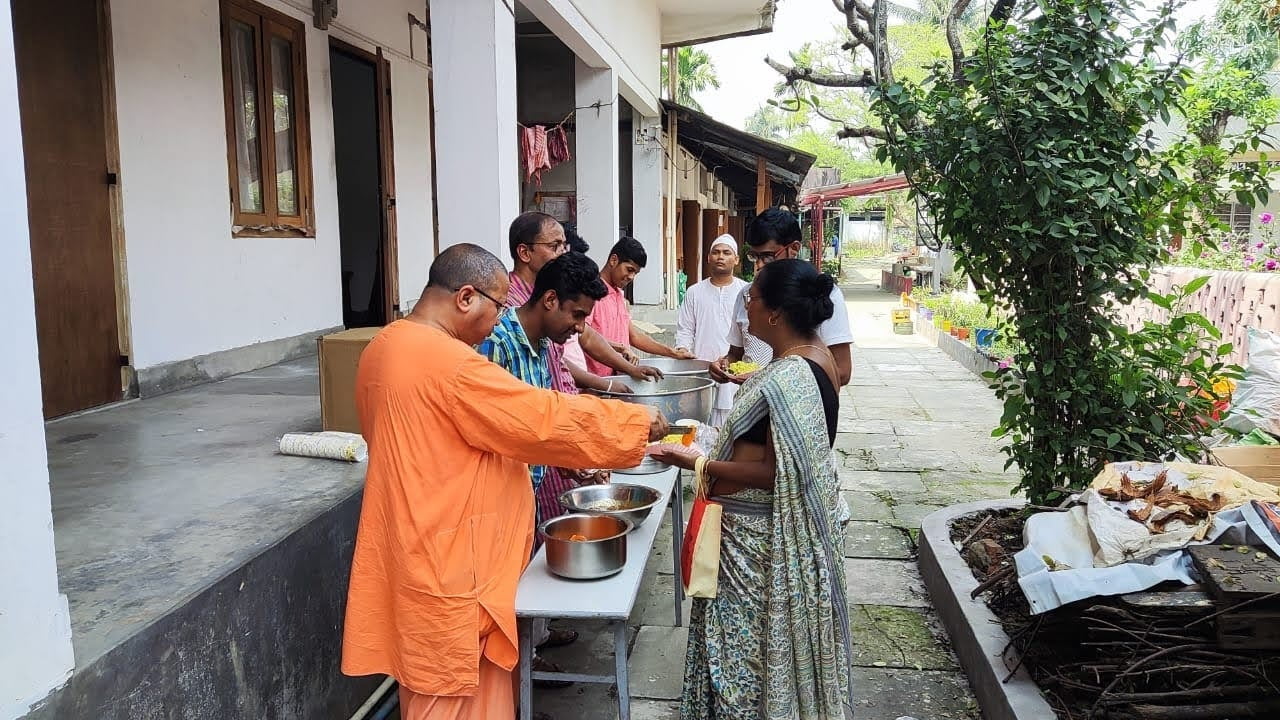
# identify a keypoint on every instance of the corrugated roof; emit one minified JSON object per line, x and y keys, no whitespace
{"x":731,"y":155}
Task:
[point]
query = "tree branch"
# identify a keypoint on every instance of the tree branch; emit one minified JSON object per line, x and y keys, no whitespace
{"x":953,"y":38}
{"x":1001,"y":12}
{"x":861,"y":9}
{"x":847,"y":133}
{"x":794,"y":74}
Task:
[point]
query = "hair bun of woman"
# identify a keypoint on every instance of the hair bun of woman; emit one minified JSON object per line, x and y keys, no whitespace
{"x":823,"y":286}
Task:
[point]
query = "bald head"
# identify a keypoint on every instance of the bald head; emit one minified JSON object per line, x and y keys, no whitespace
{"x":465,"y":264}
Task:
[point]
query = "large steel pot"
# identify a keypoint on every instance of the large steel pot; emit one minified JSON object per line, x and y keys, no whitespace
{"x":678,"y":398}
{"x":672,"y":367}
{"x":620,"y":500}
{"x":601,"y":554}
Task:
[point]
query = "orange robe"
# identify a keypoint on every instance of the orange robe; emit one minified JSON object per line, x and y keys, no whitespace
{"x":446,"y":524}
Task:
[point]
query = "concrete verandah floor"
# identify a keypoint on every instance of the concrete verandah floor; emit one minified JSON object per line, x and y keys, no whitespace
{"x":914,"y":435}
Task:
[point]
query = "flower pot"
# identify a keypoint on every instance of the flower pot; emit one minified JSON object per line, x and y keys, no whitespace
{"x":962,"y":333}
{"x":984,"y":337}
{"x":926,"y":314}
{"x":946,"y":326}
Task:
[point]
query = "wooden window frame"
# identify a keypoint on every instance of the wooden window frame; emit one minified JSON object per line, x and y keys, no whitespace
{"x":269,"y":23}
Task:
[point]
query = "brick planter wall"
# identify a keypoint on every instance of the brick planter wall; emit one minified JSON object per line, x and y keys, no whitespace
{"x":1232,"y":301}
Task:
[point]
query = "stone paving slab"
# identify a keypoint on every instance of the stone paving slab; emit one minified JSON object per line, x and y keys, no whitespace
{"x":657,"y":663}
{"x":907,"y":412}
{"x":868,"y":441}
{"x":876,"y":541}
{"x":867,"y":507}
{"x":593,"y":651}
{"x":934,"y":428}
{"x":910,"y":515}
{"x":895,"y":637}
{"x":875,"y":480}
{"x":888,"y":694}
{"x":656,"y":605}
{"x":856,"y":425}
{"x":884,"y":582}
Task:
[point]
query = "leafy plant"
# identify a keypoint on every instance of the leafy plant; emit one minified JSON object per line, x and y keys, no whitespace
{"x":1034,"y":158}
{"x":695,"y":72}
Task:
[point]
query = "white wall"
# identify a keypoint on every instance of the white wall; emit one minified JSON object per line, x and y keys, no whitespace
{"x":35,"y":627}
{"x":474,"y":59}
{"x":193,"y":288}
{"x":634,"y":30}
{"x":647,"y":181}
{"x":624,"y":36}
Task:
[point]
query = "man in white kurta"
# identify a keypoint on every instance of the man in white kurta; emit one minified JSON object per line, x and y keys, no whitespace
{"x":706,"y":316}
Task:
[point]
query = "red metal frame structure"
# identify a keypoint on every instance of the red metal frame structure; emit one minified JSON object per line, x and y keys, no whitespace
{"x":816,"y":200}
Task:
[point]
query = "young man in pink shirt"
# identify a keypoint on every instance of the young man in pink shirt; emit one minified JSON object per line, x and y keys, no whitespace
{"x":611,"y":317}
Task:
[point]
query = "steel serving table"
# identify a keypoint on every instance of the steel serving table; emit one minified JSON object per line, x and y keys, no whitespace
{"x":542,"y":594}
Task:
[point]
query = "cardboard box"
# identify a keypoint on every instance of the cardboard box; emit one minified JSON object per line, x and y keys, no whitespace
{"x":339,"y":357}
{"x":1260,"y":462}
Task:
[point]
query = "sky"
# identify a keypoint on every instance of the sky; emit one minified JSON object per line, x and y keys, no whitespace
{"x":746,"y":82}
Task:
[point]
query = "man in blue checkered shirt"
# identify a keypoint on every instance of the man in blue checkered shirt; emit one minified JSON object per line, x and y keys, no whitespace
{"x":564,"y":293}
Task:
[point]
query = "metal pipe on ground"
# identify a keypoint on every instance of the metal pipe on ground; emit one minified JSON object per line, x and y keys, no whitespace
{"x":387,"y":685}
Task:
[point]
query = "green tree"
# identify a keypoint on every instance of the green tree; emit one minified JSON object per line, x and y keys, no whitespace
{"x":1032,"y":150}
{"x":1240,"y":33}
{"x":695,"y":73}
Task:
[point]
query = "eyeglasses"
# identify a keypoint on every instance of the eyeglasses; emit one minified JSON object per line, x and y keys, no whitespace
{"x":764,"y":257}
{"x":502,"y":307}
{"x":558,"y":246}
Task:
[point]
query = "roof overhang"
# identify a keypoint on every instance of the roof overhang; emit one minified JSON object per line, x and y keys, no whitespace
{"x":685,"y":23}
{"x":733,"y":155}
{"x":855,"y":188}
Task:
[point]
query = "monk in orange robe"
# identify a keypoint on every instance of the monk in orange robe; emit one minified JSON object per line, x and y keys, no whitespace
{"x":446,"y":525}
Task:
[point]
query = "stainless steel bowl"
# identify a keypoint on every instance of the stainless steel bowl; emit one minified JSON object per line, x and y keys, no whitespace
{"x":678,"y":368}
{"x":678,"y":398}
{"x":603,"y":553}
{"x":637,"y":500}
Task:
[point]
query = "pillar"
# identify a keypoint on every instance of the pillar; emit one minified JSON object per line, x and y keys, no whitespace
{"x":473,"y":60}
{"x":646,"y":205}
{"x":596,"y":155}
{"x":35,"y":625}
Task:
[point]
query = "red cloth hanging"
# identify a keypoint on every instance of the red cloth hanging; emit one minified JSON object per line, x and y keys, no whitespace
{"x":533,"y":153}
{"x":558,"y":145}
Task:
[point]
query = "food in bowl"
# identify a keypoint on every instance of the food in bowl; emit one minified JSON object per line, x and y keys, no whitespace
{"x":742,"y":367}
{"x":611,"y":505}
{"x":577,"y":538}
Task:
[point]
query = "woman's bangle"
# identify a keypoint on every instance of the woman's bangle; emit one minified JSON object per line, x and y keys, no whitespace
{"x":700,"y":474}
{"x":610,"y":388}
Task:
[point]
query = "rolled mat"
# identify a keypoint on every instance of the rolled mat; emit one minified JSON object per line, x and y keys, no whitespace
{"x":331,"y":445}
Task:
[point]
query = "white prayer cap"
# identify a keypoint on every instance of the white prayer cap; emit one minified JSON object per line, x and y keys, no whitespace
{"x":726,"y":240}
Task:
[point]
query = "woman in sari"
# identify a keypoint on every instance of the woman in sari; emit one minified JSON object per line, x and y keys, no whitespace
{"x":775,"y":642}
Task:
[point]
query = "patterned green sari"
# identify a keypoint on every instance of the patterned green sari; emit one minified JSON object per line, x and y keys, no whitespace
{"x":776,"y":643}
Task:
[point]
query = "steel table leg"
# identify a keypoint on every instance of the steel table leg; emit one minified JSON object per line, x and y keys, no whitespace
{"x":526,"y":668}
{"x":677,"y":544}
{"x":620,"y":661}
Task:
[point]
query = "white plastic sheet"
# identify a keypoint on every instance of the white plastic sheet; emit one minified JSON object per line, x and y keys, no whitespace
{"x":1096,"y":550}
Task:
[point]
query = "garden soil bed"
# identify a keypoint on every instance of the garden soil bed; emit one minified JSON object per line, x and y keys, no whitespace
{"x":1147,"y":656}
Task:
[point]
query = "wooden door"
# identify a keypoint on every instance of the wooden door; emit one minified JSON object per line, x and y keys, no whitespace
{"x":59,"y":51}
{"x":692,"y":221}
{"x":386,"y":149}
{"x":679,"y":235}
